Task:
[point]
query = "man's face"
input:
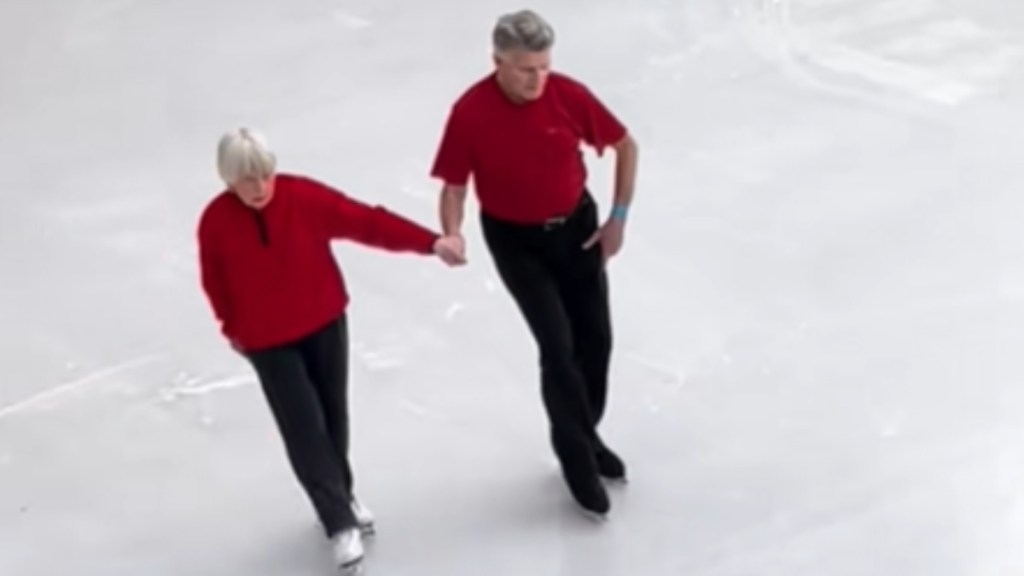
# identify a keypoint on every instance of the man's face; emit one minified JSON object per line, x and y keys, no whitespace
{"x":523,"y":74}
{"x":255,"y":192}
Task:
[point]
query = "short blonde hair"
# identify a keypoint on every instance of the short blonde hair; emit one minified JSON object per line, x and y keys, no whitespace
{"x":243,"y":153}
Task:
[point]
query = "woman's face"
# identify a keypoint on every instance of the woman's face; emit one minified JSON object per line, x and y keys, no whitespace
{"x":255,"y":192}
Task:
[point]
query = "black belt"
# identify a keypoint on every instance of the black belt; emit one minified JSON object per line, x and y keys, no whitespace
{"x":548,"y":224}
{"x":553,"y":223}
{"x":559,"y":221}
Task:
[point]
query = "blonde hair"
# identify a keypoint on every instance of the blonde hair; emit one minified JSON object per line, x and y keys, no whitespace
{"x":243,"y":153}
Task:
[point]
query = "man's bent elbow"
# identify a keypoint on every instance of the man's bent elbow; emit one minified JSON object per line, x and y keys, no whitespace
{"x":626,"y":144}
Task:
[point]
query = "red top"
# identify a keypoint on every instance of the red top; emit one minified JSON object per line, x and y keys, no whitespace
{"x":525,"y":159}
{"x":270,"y":275}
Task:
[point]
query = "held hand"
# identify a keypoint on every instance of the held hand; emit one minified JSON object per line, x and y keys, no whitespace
{"x":609,"y":236}
{"x":451,"y":250}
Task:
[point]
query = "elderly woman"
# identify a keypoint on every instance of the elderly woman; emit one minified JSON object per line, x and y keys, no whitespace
{"x":279,"y":295}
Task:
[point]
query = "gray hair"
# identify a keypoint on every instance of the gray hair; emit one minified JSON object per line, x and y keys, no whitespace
{"x":243,"y":153}
{"x":523,"y":30}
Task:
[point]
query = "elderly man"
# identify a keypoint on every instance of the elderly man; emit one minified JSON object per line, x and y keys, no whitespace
{"x":517,"y":133}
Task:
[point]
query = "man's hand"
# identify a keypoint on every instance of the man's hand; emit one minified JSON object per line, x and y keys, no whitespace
{"x":609,"y":236}
{"x":451,"y":249}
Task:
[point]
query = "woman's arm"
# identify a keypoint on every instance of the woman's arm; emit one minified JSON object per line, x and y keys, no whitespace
{"x":376,"y":226}
{"x":212,"y":276}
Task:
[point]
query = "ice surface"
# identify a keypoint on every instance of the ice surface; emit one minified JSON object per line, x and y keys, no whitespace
{"x":819,"y":309}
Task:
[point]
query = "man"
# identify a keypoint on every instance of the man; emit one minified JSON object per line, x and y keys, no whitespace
{"x":517,"y":134}
{"x":271,"y":279}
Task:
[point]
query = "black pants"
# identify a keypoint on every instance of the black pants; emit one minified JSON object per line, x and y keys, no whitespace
{"x":562,"y":292}
{"x":306,"y":386}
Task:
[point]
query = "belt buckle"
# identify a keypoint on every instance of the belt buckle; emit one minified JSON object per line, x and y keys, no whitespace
{"x":552,"y":223}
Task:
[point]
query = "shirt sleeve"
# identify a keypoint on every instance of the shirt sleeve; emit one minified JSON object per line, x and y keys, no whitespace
{"x":453,"y":162}
{"x":600,"y":126}
{"x":345,"y":218}
{"x":212,"y":276}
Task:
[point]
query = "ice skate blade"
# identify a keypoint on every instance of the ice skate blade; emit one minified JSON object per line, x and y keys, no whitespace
{"x":595,"y":517}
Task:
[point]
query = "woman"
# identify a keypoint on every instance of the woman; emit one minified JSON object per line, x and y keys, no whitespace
{"x":271,"y":279}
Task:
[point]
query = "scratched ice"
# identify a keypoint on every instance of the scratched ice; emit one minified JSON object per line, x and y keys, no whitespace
{"x":819,"y":311}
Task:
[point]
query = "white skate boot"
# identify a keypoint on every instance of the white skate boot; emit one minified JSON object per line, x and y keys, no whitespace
{"x":364,"y":517}
{"x":347,"y":547}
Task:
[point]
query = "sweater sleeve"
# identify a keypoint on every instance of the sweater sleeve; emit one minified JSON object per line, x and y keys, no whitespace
{"x":212,"y":276}
{"x":345,"y":218}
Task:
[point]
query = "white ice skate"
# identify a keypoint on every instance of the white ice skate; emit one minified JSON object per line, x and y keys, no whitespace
{"x":347,"y":547}
{"x":364,"y":517}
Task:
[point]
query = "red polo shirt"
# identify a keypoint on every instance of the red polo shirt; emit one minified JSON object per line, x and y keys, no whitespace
{"x":524,"y":158}
{"x":270,"y":275}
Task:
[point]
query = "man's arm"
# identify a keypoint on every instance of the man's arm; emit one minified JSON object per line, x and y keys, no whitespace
{"x":626,"y":154}
{"x":602,"y":129}
{"x":453,"y":165}
{"x":452,"y":209}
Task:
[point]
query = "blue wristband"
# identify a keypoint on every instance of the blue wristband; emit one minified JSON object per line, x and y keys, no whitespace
{"x":619,"y":212}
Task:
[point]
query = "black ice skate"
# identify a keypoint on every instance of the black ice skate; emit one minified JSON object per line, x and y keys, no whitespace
{"x":610,"y":466}
{"x":591,"y":496}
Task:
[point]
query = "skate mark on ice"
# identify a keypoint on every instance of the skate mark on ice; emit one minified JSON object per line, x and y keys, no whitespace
{"x":651,"y":404}
{"x":453,"y":310}
{"x":916,"y":310}
{"x":194,"y":387}
{"x":854,"y":499}
{"x":351,"y":20}
{"x":77,"y":384}
{"x":491,"y":285}
{"x":420,"y":410}
{"x":418,"y":192}
{"x":799,"y":54}
{"x":734,"y":231}
{"x":381,"y":359}
{"x":816,"y":55}
{"x":667,"y":374}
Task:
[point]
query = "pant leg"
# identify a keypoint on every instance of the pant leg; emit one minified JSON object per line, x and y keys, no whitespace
{"x":526,"y":276}
{"x":327,"y":357}
{"x":583,"y":286}
{"x":299,"y":416}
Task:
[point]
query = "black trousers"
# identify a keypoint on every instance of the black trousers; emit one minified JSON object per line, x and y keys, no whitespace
{"x":306,"y":385}
{"x":562,"y":292}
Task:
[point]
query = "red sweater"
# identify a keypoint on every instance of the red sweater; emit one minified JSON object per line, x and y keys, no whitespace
{"x":270,"y":275}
